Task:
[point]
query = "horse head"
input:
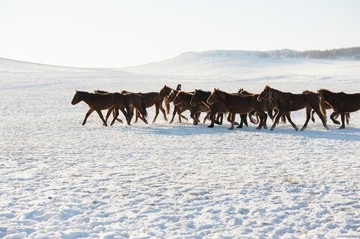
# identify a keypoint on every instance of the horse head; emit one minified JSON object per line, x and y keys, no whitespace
{"x":77,"y":98}
{"x":171,"y":96}
{"x":164,"y":92}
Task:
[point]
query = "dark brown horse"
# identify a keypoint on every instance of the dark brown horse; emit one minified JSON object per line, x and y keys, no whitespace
{"x":341,"y":103}
{"x":136,"y":101}
{"x":217,"y":109}
{"x":235,"y":103}
{"x":200,"y":97}
{"x":183,"y":99}
{"x":98,"y":102}
{"x":285,"y":102}
{"x":168,"y":94}
{"x":334,"y":119}
{"x":164,"y":93}
{"x":151,"y":99}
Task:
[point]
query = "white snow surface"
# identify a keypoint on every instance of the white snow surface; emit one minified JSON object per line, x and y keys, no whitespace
{"x":60,"y":179}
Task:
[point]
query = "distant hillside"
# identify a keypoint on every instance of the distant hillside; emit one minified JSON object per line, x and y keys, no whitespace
{"x":237,"y":61}
{"x":346,"y":53}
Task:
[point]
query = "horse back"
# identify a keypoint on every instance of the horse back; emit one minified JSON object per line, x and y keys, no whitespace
{"x":348,"y":102}
{"x":101,"y":101}
{"x":240,"y":103}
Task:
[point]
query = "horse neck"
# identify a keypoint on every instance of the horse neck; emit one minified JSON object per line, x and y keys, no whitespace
{"x":276,"y":95}
{"x":227,"y":97}
{"x":85,"y":96}
{"x":328,"y":95}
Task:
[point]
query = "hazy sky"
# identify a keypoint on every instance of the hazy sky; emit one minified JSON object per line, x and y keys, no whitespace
{"x":116,"y":33}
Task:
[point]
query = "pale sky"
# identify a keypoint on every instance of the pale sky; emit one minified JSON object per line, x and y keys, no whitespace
{"x":118,"y":33}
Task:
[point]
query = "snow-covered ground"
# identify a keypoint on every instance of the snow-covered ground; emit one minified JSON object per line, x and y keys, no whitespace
{"x":63,"y":180}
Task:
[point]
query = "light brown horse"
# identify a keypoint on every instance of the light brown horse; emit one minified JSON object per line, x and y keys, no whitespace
{"x":235,"y":103}
{"x":341,"y":103}
{"x":98,"y":102}
{"x":285,"y":102}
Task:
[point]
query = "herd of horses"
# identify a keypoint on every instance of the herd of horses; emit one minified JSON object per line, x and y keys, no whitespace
{"x":270,"y":102}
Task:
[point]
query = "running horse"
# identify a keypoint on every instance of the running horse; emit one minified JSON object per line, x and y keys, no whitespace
{"x":341,"y":103}
{"x":285,"y":102}
{"x":104,"y":101}
{"x":236,"y":103}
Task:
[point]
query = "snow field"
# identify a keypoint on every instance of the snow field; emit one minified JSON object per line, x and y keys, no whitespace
{"x":63,"y":180}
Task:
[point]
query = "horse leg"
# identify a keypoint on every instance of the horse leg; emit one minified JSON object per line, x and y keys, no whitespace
{"x":87,"y":115}
{"x":287,"y":114}
{"x":163,"y":111}
{"x":220,"y":118}
{"x":342,"y":121}
{"x":243,"y":120}
{"x":115,"y":115}
{"x":232,"y":121}
{"x":212,"y":118}
{"x":110,"y":110}
{"x":261,"y":117}
{"x":262,"y":122}
{"x":128,"y":120}
{"x":308,"y":116}
{"x":347,"y":117}
{"x":332,"y":117}
{"x":102,"y":117}
{"x":156,"y":113}
{"x":312,"y":116}
{"x":174,"y":113}
{"x":277,"y":118}
{"x":323,"y":119}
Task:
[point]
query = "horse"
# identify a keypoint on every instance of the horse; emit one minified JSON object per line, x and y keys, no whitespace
{"x":260,"y":107}
{"x":341,"y":103}
{"x":200,"y":97}
{"x":285,"y":102}
{"x":111,"y":109}
{"x":236,"y":104}
{"x":218,"y":108}
{"x":98,"y":102}
{"x":183,"y":99}
{"x":163,"y":94}
{"x":334,"y":119}
{"x":166,"y":94}
{"x":136,"y":101}
{"x":151,"y":99}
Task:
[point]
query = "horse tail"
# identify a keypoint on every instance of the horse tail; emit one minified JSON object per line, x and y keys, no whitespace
{"x":322,"y":106}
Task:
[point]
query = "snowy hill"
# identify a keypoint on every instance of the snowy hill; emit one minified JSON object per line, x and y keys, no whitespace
{"x":235,"y":62}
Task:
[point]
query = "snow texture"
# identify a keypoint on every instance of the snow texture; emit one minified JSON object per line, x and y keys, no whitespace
{"x":63,"y":180}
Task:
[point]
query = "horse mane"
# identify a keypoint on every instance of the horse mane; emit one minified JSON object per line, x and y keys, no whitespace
{"x":324,"y":90}
{"x":102,"y":92}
